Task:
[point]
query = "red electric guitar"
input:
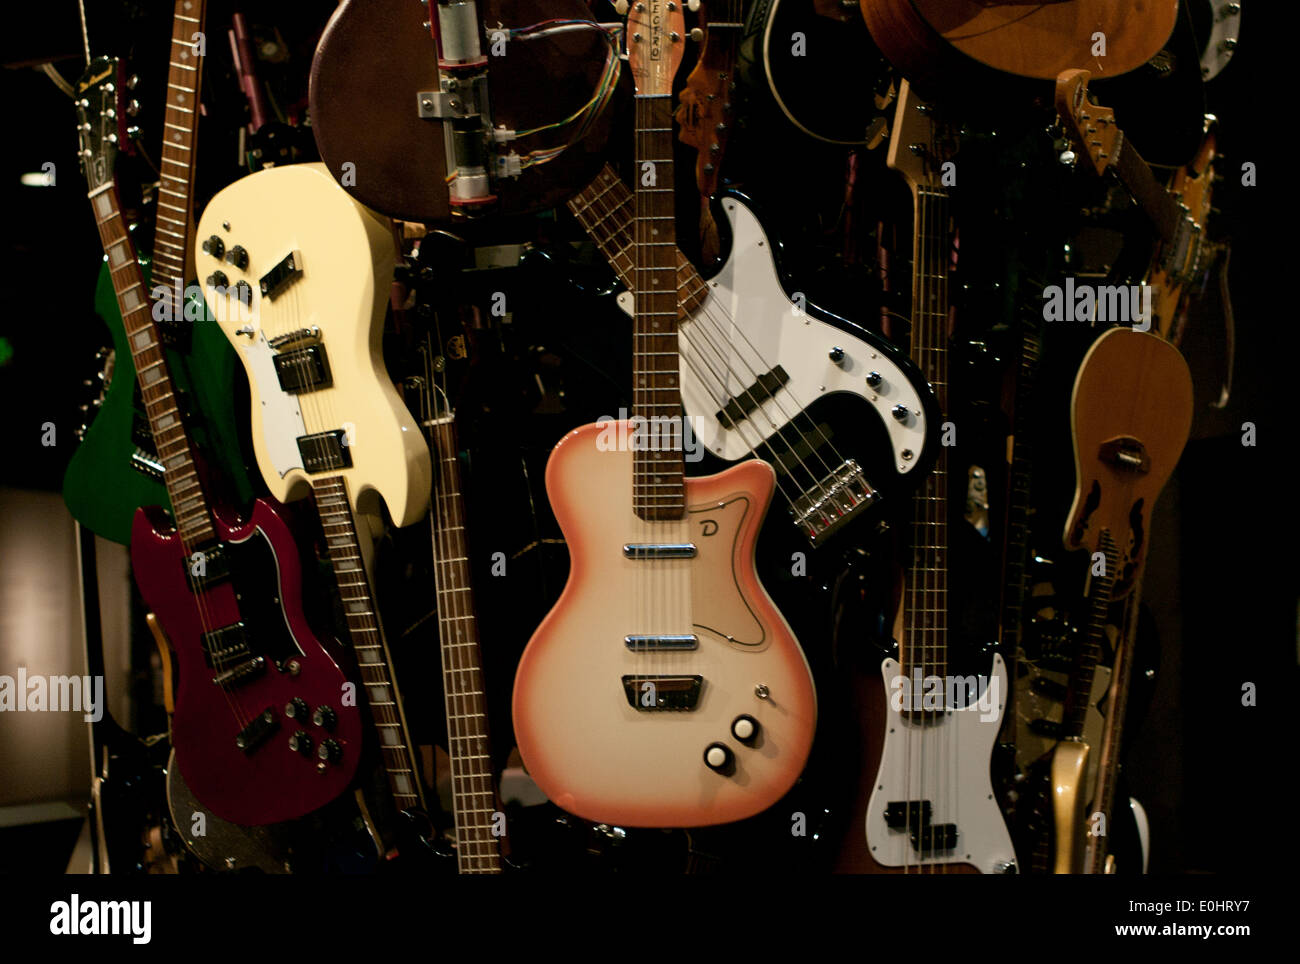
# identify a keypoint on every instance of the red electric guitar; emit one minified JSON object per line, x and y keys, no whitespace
{"x":259,"y":697}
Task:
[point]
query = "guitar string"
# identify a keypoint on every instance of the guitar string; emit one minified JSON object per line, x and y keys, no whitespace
{"x":722,"y":398}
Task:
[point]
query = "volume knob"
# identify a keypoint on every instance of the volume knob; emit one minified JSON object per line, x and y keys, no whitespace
{"x":329,"y":751}
{"x":874,"y":379}
{"x":214,"y":246}
{"x":745,"y":729}
{"x":238,"y":256}
{"x":325,"y":716}
{"x":899,"y":412}
{"x":300,"y":742}
{"x":297,"y":709}
{"x":719,"y":758}
{"x":218,"y":279}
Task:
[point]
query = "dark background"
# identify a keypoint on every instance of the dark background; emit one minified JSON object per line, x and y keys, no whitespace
{"x":1222,"y":581}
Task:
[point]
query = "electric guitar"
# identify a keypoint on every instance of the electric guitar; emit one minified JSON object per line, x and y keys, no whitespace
{"x":1131,"y":413}
{"x":1181,"y":263}
{"x":114,"y":470}
{"x":765,"y":374}
{"x":932,"y":807}
{"x":225,"y":590}
{"x":664,"y":689}
{"x":304,"y":306}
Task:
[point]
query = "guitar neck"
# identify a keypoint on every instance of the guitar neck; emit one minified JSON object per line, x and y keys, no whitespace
{"x":1112,"y":738}
{"x":925,"y":644}
{"x":1141,"y":182}
{"x":184,"y":488}
{"x":180,"y":125}
{"x":373,"y":658}
{"x":1015,"y":547}
{"x":659,"y":488}
{"x":1085,"y":664}
{"x":605,"y":209}
{"x":474,"y":799}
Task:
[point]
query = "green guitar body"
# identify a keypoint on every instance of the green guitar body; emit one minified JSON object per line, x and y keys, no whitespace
{"x":108,"y":476}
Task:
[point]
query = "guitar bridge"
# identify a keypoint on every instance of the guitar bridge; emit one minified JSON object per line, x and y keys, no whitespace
{"x":652,"y":693}
{"x":833,"y":502}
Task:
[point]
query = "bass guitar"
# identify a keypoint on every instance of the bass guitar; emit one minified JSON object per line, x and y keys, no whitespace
{"x":705,"y":712}
{"x":844,"y":417}
{"x":225,"y":590}
{"x":932,"y":807}
{"x":304,"y":306}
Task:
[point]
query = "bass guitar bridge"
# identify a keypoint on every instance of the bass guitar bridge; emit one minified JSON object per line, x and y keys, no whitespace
{"x":833,"y":502}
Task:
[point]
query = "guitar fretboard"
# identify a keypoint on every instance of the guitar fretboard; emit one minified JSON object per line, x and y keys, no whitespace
{"x":373,"y":659}
{"x":658,"y":481}
{"x":1085,"y":662}
{"x":604,"y":208}
{"x":925,"y":645}
{"x":184,"y":489}
{"x":176,"y":179}
{"x":474,"y":799}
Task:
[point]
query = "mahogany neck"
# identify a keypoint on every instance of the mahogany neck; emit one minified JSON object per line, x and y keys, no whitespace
{"x":180,"y":471}
{"x":474,"y":799}
{"x":604,"y":208}
{"x":659,"y":486}
{"x":1140,"y":181}
{"x":373,"y":659}
{"x":180,"y":124}
{"x":925,"y":644}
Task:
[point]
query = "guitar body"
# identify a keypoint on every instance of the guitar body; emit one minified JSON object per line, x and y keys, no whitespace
{"x":750,"y":322}
{"x":931,"y":41}
{"x":269,"y":782}
{"x":375,"y":57}
{"x":917,"y":755}
{"x":344,"y":256}
{"x":585,"y":733}
{"x":110,"y":474}
{"x":1131,"y":412}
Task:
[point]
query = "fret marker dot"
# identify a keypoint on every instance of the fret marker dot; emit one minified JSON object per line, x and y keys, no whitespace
{"x":176,"y":137}
{"x":185,"y":55}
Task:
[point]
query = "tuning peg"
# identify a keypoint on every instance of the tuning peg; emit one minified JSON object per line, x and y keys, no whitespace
{"x":1068,"y":158}
{"x":620,"y":7}
{"x":697,"y":34}
{"x":132,"y":108}
{"x":132,"y":81}
{"x":693,"y":6}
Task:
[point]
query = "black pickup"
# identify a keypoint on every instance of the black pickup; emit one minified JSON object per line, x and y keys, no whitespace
{"x":740,"y":406}
{"x":304,"y":370}
{"x":324,"y":451}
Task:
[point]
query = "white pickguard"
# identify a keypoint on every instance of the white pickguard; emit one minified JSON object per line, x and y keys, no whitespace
{"x":946,"y":763}
{"x":282,"y":423}
{"x":749,"y":325}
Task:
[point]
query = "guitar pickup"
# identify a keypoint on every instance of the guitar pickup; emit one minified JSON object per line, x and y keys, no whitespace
{"x":224,"y":647}
{"x":273,"y":283}
{"x":257,"y":732}
{"x":303,"y":370}
{"x":740,"y":406}
{"x":833,"y":502}
{"x":914,"y":816}
{"x":324,"y":451}
{"x":212,"y":566}
{"x":295,"y":339}
{"x":146,"y":464}
{"x":661,"y":644}
{"x":241,"y":672}
{"x":659,"y":550}
{"x":652,"y":693}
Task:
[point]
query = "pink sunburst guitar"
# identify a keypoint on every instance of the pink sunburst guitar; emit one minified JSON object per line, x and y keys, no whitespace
{"x":664,"y":689}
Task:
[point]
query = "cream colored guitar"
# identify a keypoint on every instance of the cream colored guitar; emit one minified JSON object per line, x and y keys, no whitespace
{"x":297,"y":275}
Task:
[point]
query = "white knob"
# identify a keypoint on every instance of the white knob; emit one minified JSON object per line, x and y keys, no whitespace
{"x":620,"y":7}
{"x":717,"y":757}
{"x":743,"y":728}
{"x":693,"y":6}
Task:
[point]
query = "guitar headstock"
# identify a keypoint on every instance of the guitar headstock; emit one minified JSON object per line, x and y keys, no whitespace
{"x":99,"y":120}
{"x":655,"y":39}
{"x":1090,"y":126}
{"x":920,"y":143}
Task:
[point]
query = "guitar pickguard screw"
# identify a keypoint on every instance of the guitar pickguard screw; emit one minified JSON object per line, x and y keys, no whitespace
{"x":761,"y":691}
